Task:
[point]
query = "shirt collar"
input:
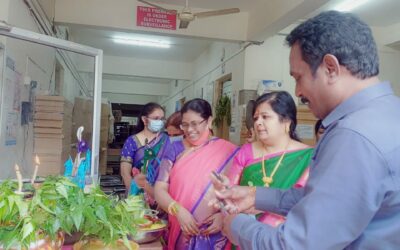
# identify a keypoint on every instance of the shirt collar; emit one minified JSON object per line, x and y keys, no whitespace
{"x":357,"y":101}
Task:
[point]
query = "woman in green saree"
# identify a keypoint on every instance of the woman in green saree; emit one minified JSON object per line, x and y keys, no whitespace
{"x":277,"y":159}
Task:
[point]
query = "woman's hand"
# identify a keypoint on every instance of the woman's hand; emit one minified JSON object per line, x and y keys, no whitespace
{"x":214,"y":223}
{"x":140,"y":180}
{"x":188,"y":223}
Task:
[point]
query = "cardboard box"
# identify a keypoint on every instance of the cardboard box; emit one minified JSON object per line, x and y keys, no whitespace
{"x":52,"y":133}
{"x":305,"y":125}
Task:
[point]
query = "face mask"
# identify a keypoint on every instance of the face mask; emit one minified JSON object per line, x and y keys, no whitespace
{"x":155,"y":125}
{"x":202,"y":139}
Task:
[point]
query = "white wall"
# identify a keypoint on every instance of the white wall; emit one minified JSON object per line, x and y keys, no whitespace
{"x":32,"y":62}
{"x":138,"y":88}
{"x":235,"y":66}
{"x":129,"y":99}
{"x":147,"y":68}
{"x":70,"y":87}
{"x":205,"y":73}
{"x":177,"y":89}
{"x":269,"y":61}
{"x":129,"y":91}
{"x":4,"y":4}
{"x":387,"y":35}
{"x":389,"y":60}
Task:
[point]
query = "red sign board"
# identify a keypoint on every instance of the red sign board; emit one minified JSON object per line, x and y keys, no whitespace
{"x":155,"y":18}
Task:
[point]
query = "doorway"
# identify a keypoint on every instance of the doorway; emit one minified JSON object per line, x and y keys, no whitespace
{"x":223,"y":86}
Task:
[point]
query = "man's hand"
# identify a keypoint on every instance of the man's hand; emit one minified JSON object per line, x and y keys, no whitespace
{"x":236,"y":198}
{"x":226,"y":228}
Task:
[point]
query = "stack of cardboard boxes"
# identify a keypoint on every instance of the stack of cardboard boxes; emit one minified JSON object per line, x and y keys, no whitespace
{"x":305,"y":125}
{"x":52,"y":133}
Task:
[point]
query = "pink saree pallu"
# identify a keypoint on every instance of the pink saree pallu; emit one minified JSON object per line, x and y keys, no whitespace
{"x":191,"y":187}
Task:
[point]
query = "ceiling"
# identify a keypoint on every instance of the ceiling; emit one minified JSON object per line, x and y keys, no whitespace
{"x":182,"y":48}
{"x":376,"y":13}
{"x":211,"y":4}
{"x":380,"y":13}
{"x":127,"y":78}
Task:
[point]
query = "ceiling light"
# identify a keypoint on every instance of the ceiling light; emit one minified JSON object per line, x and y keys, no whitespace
{"x":142,"y":42}
{"x":349,"y":5}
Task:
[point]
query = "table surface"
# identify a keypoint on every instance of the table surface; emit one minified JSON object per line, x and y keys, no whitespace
{"x":150,"y":246}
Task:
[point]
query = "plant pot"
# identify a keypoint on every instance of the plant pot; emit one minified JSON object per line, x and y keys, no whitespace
{"x":73,"y":238}
{"x":96,"y":244}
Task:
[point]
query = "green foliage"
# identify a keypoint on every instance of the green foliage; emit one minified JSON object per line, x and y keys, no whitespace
{"x":106,"y":218}
{"x":60,"y":205}
{"x":13,"y":210}
{"x":223,"y":111}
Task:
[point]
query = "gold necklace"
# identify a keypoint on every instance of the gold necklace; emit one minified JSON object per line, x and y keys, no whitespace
{"x":269,"y":179}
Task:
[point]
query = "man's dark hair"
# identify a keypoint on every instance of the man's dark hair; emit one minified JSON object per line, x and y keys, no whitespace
{"x":317,"y":125}
{"x":340,"y":34}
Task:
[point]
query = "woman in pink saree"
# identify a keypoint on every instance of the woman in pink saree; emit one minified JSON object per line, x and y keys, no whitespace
{"x":183,"y":187}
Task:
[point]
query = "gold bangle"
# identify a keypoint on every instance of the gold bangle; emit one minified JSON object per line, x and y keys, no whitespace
{"x":173,"y":208}
{"x":170,"y":206}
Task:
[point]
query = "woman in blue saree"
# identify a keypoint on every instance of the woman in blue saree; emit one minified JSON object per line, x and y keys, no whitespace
{"x":142,"y":152}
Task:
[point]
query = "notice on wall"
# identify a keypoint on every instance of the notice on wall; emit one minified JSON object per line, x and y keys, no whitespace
{"x":11,"y":128}
{"x":12,"y":101}
{"x":155,"y":18}
{"x":12,"y":88}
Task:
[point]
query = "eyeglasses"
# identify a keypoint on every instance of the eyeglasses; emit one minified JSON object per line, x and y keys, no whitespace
{"x":156,"y":118}
{"x":193,"y":124}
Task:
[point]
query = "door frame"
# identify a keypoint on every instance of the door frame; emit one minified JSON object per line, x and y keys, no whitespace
{"x":221,"y":131}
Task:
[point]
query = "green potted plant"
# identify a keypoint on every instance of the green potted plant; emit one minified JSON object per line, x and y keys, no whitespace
{"x":101,"y":221}
{"x":21,"y":221}
{"x":60,"y":207}
{"x":12,"y":209}
{"x":104,"y":221}
{"x":222,"y":119}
